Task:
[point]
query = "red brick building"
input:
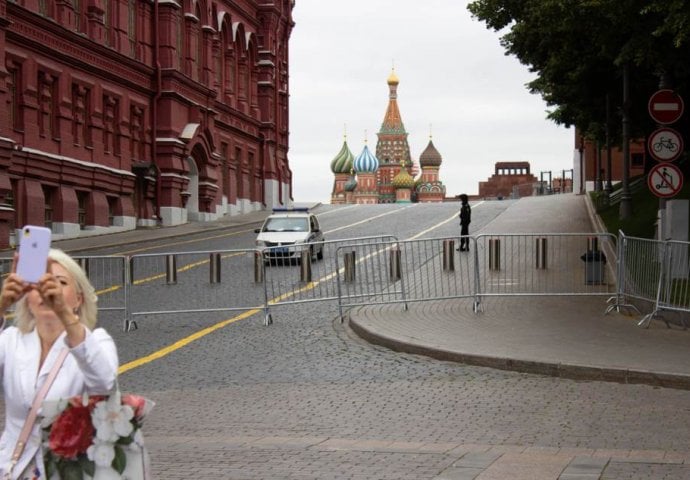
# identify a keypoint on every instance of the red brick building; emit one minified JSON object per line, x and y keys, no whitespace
{"x":124,"y":113}
{"x":506,"y":177}
{"x":588,"y":154}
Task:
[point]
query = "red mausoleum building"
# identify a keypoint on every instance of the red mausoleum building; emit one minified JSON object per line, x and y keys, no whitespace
{"x":126,"y":113}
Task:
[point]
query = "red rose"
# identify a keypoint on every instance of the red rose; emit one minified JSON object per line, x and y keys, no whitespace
{"x":72,"y":432}
{"x":137,"y":403}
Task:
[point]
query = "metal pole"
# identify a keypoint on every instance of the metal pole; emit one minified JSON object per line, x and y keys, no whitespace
{"x":494,"y":254}
{"x":597,"y":177}
{"x":214,"y":268}
{"x":349,"y":261}
{"x":448,"y":256}
{"x":84,"y":264}
{"x":395,"y":265}
{"x":305,"y":266}
{"x":609,"y":186}
{"x":540,"y":253}
{"x":625,"y":209}
{"x":171,"y":269}
{"x":258,"y":267}
{"x":582,"y":164}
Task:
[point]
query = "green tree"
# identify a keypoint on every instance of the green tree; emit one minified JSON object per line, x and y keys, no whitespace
{"x":577,"y":49}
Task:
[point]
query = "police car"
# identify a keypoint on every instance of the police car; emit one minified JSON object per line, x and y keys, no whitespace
{"x":286,"y":233}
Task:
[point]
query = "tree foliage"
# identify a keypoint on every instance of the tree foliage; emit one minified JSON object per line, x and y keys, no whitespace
{"x":577,"y":49}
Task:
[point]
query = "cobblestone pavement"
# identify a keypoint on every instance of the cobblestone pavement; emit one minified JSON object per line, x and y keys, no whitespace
{"x":305,"y":398}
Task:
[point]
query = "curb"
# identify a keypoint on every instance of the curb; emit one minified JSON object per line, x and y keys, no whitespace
{"x":552,"y":369}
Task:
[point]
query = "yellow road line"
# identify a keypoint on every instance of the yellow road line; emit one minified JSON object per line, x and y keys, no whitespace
{"x":183,"y":342}
{"x":202,"y":333}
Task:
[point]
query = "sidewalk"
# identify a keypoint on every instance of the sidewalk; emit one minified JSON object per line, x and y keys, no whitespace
{"x":561,"y":336}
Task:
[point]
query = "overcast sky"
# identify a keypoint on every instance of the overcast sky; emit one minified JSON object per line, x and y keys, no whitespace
{"x":455,"y":83}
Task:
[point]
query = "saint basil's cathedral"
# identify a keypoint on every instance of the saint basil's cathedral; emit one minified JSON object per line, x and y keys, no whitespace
{"x":389,"y":175}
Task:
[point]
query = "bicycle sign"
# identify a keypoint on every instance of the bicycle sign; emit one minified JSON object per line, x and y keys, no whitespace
{"x":665,"y":145}
{"x":665,"y":180}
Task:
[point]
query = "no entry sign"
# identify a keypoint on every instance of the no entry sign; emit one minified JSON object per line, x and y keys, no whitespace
{"x":665,"y":144}
{"x":665,"y":180}
{"x":665,"y":107}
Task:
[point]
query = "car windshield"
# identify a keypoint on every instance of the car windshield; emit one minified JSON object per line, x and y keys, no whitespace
{"x":286,"y":224}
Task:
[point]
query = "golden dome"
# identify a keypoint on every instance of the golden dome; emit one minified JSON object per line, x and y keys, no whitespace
{"x":393,"y":78}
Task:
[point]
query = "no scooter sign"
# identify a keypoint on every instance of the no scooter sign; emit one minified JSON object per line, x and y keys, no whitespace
{"x":665,"y":180}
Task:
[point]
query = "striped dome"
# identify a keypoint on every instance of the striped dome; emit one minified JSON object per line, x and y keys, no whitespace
{"x":403,"y":180}
{"x":342,"y":163}
{"x":366,"y":161}
{"x":430,"y":156}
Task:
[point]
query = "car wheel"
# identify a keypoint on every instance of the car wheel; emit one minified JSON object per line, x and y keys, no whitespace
{"x":319,"y":254}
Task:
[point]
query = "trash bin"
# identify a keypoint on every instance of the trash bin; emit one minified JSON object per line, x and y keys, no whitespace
{"x":594,"y":266}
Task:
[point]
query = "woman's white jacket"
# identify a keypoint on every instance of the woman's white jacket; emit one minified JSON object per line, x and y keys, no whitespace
{"x":91,"y":367}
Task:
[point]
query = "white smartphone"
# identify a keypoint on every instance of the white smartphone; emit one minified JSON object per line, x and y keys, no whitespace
{"x":34,"y":245}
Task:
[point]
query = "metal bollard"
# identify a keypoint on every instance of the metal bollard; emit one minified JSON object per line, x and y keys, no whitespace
{"x":214,"y":268}
{"x":494,"y":254}
{"x":592,"y":244}
{"x":395,"y":269}
{"x":171,"y":269}
{"x":349,"y":260}
{"x":84,"y":264}
{"x":258,"y":267}
{"x":448,"y":256}
{"x":540,"y":253}
{"x":305,"y":266}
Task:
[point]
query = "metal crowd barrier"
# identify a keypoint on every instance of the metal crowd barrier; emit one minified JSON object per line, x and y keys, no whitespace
{"x":195,"y":282}
{"x":108,"y":275}
{"x":659,"y":272}
{"x":544,"y":264}
{"x":640,"y":261}
{"x":308,"y":273}
{"x":405,"y":271}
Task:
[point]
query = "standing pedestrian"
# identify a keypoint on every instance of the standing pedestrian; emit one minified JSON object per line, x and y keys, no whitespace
{"x":465,"y":219}
{"x":54,"y":322}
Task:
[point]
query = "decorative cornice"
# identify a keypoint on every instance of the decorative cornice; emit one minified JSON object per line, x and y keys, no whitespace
{"x":82,"y":163}
{"x":76,"y":49}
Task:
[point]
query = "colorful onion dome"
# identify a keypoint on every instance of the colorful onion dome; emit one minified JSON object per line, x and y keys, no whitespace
{"x":403,"y":180}
{"x":342,"y":163}
{"x":366,"y":161}
{"x":393,"y":78}
{"x":351,"y":184}
{"x":430,"y":156}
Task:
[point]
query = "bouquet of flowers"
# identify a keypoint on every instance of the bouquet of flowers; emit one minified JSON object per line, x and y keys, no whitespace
{"x":95,"y":437}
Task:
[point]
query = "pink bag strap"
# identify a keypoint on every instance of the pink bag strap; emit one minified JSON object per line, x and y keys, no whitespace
{"x":38,"y":400}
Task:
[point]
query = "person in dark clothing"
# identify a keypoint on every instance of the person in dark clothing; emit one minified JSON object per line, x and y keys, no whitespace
{"x":465,"y":219}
